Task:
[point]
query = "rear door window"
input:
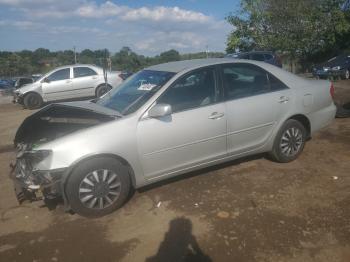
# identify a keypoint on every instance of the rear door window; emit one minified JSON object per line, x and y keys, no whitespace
{"x":83,"y":71}
{"x":243,"y":80}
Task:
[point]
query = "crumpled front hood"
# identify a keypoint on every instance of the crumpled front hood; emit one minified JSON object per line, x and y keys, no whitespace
{"x":57,"y":120}
{"x":91,"y":106}
{"x":29,"y":87}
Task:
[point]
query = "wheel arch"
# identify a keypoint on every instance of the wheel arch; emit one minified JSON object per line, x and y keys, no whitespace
{"x":32,"y":92}
{"x":102,"y":85}
{"x":81,"y":161}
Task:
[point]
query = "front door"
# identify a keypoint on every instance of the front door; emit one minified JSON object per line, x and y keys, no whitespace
{"x":57,"y":85}
{"x":193,"y":134}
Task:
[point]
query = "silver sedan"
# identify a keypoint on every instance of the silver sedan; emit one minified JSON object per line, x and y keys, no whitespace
{"x":164,"y":121}
{"x":67,"y":82}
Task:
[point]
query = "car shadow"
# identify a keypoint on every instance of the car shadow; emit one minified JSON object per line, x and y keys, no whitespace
{"x":179,"y":244}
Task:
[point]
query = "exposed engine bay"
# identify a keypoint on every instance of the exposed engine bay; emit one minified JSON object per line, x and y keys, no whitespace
{"x":51,"y":122}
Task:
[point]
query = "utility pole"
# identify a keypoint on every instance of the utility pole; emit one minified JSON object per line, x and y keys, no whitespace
{"x":75,"y":55}
{"x":207,"y":50}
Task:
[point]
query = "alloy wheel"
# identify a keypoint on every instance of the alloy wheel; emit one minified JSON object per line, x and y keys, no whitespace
{"x":291,"y":141}
{"x":99,"y":189}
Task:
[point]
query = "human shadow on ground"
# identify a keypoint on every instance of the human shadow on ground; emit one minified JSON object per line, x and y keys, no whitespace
{"x":179,"y":244}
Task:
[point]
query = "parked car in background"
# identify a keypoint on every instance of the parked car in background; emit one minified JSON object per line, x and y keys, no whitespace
{"x":338,"y":67}
{"x":67,"y":82}
{"x":21,"y":81}
{"x":264,"y":56}
{"x":125,"y":74}
{"x":166,"y":120}
{"x":6,"y":87}
{"x":36,"y":76}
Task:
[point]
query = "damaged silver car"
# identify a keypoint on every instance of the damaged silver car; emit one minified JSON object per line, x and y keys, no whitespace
{"x":164,"y":121}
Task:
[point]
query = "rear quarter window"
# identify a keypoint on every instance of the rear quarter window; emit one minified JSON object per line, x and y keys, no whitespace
{"x":276,"y":84}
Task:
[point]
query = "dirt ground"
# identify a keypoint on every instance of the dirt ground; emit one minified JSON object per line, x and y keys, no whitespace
{"x":247,"y":210}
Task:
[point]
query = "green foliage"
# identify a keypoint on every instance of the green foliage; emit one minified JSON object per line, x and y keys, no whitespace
{"x":297,"y":27}
{"x":42,"y":60}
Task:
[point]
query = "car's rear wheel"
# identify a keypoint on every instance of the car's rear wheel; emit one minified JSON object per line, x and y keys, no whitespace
{"x":102,"y":89}
{"x":98,"y":186}
{"x":289,"y":142}
{"x":32,"y":101}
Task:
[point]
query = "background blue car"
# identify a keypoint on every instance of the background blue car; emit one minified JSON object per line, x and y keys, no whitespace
{"x":338,"y":67}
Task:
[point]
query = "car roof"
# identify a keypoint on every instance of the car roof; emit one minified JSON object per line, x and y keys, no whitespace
{"x":252,"y":52}
{"x":288,"y":78}
{"x":179,"y":66}
{"x":75,"y":65}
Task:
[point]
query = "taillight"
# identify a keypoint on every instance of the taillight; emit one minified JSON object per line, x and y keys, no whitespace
{"x":331,"y":90}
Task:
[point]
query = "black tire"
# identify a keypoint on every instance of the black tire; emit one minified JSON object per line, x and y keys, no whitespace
{"x":279,"y":146}
{"x":32,"y":101}
{"x":76,"y":184}
{"x":102,"y":89}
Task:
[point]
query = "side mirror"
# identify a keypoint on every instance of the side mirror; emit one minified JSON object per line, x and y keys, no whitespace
{"x":160,"y":110}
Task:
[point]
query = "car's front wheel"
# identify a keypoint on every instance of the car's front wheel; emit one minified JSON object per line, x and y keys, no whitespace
{"x":289,"y":141}
{"x":32,"y":101}
{"x":98,"y":186}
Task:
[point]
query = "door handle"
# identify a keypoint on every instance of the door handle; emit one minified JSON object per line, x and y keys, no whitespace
{"x":94,"y":77}
{"x":283,"y":99}
{"x":216,"y":115}
{"x":68,"y":81}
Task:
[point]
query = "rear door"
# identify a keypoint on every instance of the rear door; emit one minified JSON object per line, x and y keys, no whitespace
{"x":85,"y":80}
{"x":255,"y":100}
{"x":57,"y":85}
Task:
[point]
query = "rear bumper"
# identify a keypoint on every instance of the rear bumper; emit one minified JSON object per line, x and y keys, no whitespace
{"x":322,"y":118}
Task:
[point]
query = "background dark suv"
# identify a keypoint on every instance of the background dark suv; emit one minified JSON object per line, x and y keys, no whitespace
{"x":338,"y":66}
{"x":265,"y":56}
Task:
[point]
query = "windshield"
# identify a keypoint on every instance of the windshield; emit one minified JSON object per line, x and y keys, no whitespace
{"x":135,"y":91}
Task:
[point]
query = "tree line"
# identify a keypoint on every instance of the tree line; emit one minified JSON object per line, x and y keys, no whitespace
{"x":41,"y":60}
{"x":310,"y":31}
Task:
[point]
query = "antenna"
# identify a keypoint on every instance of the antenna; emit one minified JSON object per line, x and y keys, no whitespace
{"x":75,"y":55}
{"x":207,"y":50}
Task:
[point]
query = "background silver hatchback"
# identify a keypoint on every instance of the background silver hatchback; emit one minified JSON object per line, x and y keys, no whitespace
{"x":164,"y":121}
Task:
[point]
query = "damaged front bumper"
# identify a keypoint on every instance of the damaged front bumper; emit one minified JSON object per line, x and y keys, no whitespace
{"x":33,"y":184}
{"x":17,"y":98}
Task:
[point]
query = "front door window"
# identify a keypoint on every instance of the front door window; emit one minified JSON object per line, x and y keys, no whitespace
{"x":62,"y":74}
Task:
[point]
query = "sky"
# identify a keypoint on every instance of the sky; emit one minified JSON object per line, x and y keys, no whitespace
{"x":147,"y":27}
